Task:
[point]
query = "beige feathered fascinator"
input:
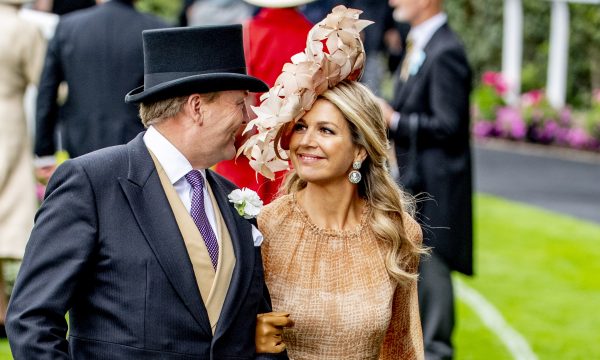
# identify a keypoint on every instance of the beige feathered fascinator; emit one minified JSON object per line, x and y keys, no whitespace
{"x":334,"y":52}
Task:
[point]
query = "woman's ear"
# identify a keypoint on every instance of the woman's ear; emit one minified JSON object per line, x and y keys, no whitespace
{"x":360,"y":154}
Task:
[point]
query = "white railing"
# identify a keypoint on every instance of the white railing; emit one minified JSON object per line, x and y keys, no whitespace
{"x":558,"y":54}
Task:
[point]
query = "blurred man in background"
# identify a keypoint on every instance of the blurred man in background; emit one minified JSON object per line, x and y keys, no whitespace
{"x":429,"y":123}
{"x":97,"y":52}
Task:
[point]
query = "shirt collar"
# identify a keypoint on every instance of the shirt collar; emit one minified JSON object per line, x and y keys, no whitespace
{"x":171,"y":159}
{"x":422,"y":33}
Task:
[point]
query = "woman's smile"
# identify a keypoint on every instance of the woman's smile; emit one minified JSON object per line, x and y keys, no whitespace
{"x":308,"y":159}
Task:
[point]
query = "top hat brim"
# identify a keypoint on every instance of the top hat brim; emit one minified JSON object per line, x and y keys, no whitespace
{"x":196,"y":84}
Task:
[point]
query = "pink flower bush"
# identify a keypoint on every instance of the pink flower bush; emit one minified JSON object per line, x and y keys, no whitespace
{"x":596,"y":96}
{"x":532,"y":98}
{"x":40,"y":189}
{"x":535,"y":120}
{"x":495,"y":80}
{"x":510,"y":124}
{"x":578,"y":138}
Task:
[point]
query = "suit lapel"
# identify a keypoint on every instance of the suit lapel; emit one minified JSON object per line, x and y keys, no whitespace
{"x":243,"y":247}
{"x":157,"y":222}
{"x":404,"y":90}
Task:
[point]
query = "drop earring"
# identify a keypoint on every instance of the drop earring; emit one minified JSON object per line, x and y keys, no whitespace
{"x":354,"y":175}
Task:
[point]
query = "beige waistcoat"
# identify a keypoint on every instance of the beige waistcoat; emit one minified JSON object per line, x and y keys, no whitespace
{"x":213,"y":285}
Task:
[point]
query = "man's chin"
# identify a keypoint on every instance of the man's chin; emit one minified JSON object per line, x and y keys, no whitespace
{"x":400,"y":16}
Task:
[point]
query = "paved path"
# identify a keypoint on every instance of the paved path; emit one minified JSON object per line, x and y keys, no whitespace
{"x":554,"y":180}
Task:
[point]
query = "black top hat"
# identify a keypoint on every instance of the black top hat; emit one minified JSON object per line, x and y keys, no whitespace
{"x":183,"y":61}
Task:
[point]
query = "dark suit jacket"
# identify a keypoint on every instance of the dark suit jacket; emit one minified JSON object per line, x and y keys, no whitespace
{"x":106,"y":248}
{"x":98,"y":52}
{"x":437,"y":99}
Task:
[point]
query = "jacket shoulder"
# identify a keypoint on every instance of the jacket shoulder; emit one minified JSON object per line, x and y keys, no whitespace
{"x":112,"y":159}
{"x":446,"y":40}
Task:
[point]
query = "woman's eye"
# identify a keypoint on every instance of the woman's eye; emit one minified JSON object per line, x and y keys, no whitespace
{"x":298,"y":127}
{"x":327,"y":130}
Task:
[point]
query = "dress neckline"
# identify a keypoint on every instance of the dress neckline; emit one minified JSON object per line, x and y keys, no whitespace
{"x":364,"y":217}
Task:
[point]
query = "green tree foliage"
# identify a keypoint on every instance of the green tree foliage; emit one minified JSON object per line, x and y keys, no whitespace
{"x":167,"y":9}
{"x":480,"y":23}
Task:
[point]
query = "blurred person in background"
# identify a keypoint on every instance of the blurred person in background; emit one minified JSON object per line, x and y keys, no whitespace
{"x":316,"y":10}
{"x":217,"y":12}
{"x":182,"y":18}
{"x":22,"y":48}
{"x":429,"y":123}
{"x":62,"y":7}
{"x":97,"y":52}
{"x":378,"y":11}
{"x":271,"y":37}
{"x":381,"y":13}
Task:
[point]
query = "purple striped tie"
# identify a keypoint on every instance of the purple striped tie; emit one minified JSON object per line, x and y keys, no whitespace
{"x":196,"y":179}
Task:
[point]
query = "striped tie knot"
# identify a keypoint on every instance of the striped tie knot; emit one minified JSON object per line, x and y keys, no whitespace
{"x":195,"y":178}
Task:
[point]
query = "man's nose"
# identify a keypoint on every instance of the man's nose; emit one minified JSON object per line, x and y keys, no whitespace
{"x":245,"y":116}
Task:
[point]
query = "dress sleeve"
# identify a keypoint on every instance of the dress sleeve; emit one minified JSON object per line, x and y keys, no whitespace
{"x":404,"y":338}
{"x":35,"y":57}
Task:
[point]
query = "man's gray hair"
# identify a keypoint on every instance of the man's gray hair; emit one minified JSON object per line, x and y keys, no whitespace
{"x":153,"y":113}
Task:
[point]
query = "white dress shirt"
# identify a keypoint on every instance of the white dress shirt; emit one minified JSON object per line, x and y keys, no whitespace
{"x":176,"y":166}
{"x":422,"y":33}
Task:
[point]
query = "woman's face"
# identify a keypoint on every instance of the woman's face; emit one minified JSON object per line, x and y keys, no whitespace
{"x":321,"y":147}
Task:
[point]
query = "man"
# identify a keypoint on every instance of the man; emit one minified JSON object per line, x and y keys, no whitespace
{"x":97,"y":52}
{"x":429,"y":124}
{"x":138,"y":242}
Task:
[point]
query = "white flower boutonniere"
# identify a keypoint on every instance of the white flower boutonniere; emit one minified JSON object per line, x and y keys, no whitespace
{"x":246,"y":202}
{"x":416,"y":61}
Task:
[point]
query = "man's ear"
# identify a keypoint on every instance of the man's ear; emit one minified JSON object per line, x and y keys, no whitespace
{"x":194,"y":107}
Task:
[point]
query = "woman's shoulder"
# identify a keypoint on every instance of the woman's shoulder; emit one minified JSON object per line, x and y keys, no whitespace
{"x":412,"y":228}
{"x":276,"y":211}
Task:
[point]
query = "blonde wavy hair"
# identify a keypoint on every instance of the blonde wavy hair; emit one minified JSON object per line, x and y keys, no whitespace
{"x":388,"y":202}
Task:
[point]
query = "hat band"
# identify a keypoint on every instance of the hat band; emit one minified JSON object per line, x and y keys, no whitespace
{"x":151,"y":80}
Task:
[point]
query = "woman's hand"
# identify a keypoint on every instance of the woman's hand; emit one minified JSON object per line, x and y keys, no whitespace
{"x":269,"y":328}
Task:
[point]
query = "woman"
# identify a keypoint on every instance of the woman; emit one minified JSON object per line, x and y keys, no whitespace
{"x":22,"y":49}
{"x":340,"y":250}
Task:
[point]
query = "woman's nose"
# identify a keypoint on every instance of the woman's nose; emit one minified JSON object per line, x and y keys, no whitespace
{"x":307,"y":138}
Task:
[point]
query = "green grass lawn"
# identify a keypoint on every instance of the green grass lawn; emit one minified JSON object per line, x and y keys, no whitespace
{"x":541,"y":271}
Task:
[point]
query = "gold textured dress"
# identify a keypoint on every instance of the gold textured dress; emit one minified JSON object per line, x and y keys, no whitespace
{"x":337,"y":289}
